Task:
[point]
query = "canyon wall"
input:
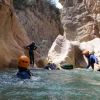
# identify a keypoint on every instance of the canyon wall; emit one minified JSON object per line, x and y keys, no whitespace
{"x":81,"y":23}
{"x":41,"y":20}
{"x":81,"y":19}
{"x":12,"y":35}
{"x":23,"y":21}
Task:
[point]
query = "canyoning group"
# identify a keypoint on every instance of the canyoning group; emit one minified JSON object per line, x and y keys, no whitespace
{"x":24,"y":62}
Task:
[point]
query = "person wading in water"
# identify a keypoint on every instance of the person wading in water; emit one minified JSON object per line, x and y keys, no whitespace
{"x":23,"y":67}
{"x":92,"y":59}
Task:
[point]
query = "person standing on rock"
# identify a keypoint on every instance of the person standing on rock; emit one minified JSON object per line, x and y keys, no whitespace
{"x":92,"y":59}
{"x":31,"y":48}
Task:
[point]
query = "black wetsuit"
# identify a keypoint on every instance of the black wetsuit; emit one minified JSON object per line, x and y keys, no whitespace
{"x":31,"y":47}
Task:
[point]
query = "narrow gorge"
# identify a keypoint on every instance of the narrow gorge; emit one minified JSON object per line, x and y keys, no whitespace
{"x":25,"y":21}
{"x":61,"y":34}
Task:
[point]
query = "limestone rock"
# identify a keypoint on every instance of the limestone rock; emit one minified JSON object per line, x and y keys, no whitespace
{"x":65,"y":52}
{"x":61,"y":51}
{"x":12,"y":36}
{"x":76,"y":16}
{"x":41,"y":20}
{"x":81,"y":22}
{"x":62,"y":1}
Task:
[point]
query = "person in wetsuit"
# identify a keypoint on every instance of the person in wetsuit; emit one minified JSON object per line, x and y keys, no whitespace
{"x":23,"y":71}
{"x":31,"y":48}
{"x":92,"y":59}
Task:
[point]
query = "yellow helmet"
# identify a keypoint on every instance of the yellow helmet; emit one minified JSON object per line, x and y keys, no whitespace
{"x":23,"y":61}
{"x":85,"y":52}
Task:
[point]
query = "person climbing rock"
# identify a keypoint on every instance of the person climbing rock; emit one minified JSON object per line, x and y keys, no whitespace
{"x":31,"y":48}
{"x":92,"y":59}
{"x":23,"y":71}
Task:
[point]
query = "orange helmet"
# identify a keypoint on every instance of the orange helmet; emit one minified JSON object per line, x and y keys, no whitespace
{"x":23,"y":61}
{"x":85,"y":52}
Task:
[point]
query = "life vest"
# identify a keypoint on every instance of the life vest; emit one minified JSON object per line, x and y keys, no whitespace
{"x":24,"y":74}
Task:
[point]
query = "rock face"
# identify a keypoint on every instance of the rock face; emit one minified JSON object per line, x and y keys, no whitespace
{"x":62,"y":1}
{"x":41,"y":20}
{"x":81,"y":18}
{"x":12,"y":35}
{"x":64,"y":51}
{"x":81,"y":23}
{"x":61,"y":51}
{"x":22,"y":21}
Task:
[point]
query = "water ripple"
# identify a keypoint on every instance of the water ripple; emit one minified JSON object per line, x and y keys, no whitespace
{"x":78,"y":84}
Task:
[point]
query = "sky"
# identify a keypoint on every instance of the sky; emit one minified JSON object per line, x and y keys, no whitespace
{"x":58,"y":4}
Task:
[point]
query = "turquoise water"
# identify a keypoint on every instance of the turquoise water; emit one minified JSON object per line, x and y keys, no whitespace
{"x":77,"y":84}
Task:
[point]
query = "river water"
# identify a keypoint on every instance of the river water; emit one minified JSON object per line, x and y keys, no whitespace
{"x":77,"y":84}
